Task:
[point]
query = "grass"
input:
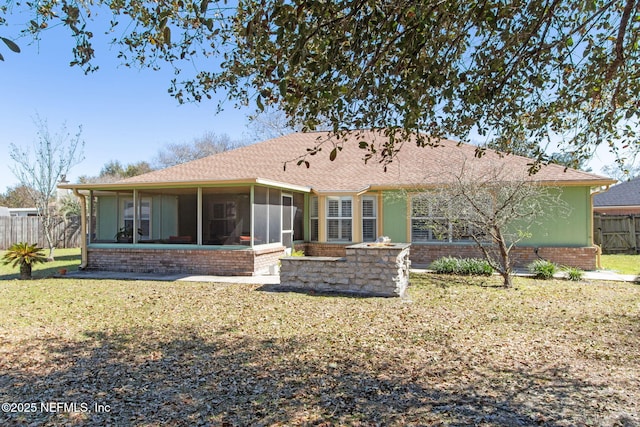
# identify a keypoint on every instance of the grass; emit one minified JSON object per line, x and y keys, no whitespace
{"x":68,"y":259}
{"x":623,"y":264}
{"x":463,"y":351}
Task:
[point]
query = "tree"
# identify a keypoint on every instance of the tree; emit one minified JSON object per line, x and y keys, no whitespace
{"x":519,"y":72}
{"x":40,"y":171}
{"x":113,"y":171}
{"x":622,"y":172}
{"x":492,"y":207}
{"x":23,"y":255}
{"x":206,"y":145}
{"x":18,"y":196}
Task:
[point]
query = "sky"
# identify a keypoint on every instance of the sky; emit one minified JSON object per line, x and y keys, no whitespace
{"x":126,"y":114}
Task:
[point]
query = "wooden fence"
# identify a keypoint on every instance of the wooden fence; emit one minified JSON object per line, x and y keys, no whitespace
{"x":617,"y":233}
{"x":14,"y":229}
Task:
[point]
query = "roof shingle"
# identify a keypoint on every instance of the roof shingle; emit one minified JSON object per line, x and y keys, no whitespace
{"x":413,"y":166}
{"x":623,"y":194}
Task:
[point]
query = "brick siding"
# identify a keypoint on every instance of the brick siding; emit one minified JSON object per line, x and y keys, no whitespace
{"x":423,"y":254}
{"x":220,"y":262}
{"x":584,"y":258}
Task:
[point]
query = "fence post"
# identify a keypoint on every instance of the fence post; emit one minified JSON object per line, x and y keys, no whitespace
{"x":632,"y":232}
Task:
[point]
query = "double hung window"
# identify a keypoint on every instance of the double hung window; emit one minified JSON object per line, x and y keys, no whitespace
{"x":339,"y":219}
{"x":369,"y":219}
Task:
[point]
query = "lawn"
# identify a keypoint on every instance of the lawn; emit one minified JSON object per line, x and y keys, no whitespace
{"x":623,"y":264}
{"x":459,"y":352}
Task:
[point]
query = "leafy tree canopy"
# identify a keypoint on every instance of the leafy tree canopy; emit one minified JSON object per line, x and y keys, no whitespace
{"x":517,"y":73}
{"x":18,"y":196}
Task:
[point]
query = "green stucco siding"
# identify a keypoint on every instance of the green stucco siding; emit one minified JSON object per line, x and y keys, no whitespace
{"x":573,"y":229}
{"x":394,"y":214}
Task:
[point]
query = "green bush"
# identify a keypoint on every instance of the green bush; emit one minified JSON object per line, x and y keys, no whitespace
{"x":24,"y":255}
{"x":574,"y":273}
{"x":445,"y":265}
{"x":295,"y":252}
{"x":462,"y":266}
{"x":543,"y":269}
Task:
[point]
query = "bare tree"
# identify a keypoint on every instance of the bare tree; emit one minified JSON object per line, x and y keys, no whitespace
{"x":490,"y":206}
{"x":41,"y":169}
{"x":206,"y":145}
{"x":270,"y":123}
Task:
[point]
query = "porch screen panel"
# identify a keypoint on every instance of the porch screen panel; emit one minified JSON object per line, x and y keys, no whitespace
{"x":261,"y":214}
{"x":298,"y":216}
{"x":275,"y":211}
{"x":226,"y":216}
{"x":188,"y":215}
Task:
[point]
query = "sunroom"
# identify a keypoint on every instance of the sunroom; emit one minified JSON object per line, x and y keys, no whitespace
{"x":240,"y":228}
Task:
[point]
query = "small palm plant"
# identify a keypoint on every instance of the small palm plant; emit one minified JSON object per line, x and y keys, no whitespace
{"x":24,"y":255}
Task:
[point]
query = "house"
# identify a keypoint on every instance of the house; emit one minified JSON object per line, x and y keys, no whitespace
{"x":24,"y":212}
{"x":237,"y":212}
{"x":620,"y":199}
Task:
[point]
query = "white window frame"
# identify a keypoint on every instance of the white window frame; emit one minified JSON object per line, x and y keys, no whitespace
{"x":343,"y":220}
{"x":373,"y":217}
{"x":140,"y":205}
{"x":432,"y":216}
{"x":314,"y":219}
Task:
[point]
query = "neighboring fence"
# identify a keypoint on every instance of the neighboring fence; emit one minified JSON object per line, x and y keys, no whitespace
{"x":617,"y":233}
{"x":14,"y":229}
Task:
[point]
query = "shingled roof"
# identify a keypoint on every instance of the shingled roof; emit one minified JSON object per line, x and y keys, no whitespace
{"x":413,"y":166}
{"x":623,"y":194}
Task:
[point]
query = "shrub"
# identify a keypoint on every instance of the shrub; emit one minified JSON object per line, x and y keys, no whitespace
{"x":295,"y":252}
{"x":462,"y":266}
{"x":445,"y":265}
{"x":24,"y":255}
{"x":475,"y":266}
{"x":543,"y":269}
{"x":574,"y":273}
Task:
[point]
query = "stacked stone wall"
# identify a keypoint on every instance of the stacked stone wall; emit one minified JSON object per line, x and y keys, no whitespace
{"x":364,"y":270}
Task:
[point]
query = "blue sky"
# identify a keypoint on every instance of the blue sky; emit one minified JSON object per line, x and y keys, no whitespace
{"x":126,"y":114}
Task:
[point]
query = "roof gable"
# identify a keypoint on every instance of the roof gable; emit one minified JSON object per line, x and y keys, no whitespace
{"x":413,"y":166}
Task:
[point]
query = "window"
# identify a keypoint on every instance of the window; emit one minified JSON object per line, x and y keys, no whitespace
{"x":339,"y":219}
{"x":369,"y":218}
{"x":313,"y":217}
{"x":430,"y":222}
{"x":144,"y":217}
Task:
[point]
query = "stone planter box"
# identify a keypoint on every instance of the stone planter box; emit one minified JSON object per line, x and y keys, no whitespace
{"x":367,"y":269}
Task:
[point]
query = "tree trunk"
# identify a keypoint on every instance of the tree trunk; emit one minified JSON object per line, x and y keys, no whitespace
{"x":25,"y":271}
{"x":51,"y":250}
{"x":505,"y":271}
{"x":47,"y":225}
{"x":507,"y":281}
